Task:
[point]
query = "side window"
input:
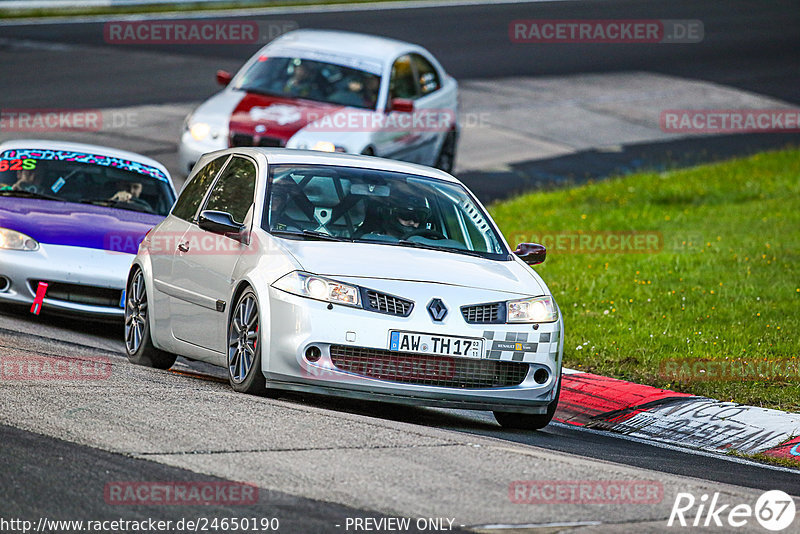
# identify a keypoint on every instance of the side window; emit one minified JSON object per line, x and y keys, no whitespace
{"x":426,"y":74}
{"x":401,"y":84}
{"x":233,"y":192}
{"x":194,"y":191}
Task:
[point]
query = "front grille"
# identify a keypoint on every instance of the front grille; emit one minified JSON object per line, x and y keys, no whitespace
{"x":239,"y":139}
{"x":427,"y":370}
{"x":384,"y":303}
{"x":482,"y":313}
{"x":80,"y":294}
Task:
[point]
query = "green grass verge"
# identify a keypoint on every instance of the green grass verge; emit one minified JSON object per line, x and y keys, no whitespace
{"x":724,"y":287}
{"x":765,"y":459}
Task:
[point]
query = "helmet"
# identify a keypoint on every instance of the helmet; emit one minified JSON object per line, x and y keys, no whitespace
{"x":405,"y":214}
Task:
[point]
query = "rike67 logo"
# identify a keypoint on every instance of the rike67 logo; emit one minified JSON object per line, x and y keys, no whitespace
{"x":774,"y":510}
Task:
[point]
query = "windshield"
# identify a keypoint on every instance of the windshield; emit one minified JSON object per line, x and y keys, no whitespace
{"x":344,"y":203}
{"x":314,"y":80}
{"x":84,"y":178}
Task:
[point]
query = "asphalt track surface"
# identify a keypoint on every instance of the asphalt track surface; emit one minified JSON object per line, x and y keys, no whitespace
{"x":39,"y":471}
{"x":750,"y":45}
{"x":81,"y":474}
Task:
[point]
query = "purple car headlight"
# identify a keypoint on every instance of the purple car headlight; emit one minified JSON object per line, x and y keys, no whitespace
{"x":13,"y":240}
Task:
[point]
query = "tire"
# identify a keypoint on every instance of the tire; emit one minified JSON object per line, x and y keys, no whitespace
{"x":446,"y":159}
{"x":526,"y":421}
{"x":368,"y":151}
{"x":244,"y":352}
{"x":138,"y":343}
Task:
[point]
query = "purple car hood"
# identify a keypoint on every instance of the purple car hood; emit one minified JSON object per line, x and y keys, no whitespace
{"x":77,"y":225}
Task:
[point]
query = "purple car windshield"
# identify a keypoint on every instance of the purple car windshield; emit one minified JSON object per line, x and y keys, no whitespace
{"x":85,"y":178}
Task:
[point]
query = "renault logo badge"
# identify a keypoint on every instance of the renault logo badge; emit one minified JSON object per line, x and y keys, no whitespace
{"x":437,"y":309}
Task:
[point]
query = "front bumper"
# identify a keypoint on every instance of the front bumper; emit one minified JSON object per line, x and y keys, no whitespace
{"x":81,"y":278}
{"x":298,"y":323}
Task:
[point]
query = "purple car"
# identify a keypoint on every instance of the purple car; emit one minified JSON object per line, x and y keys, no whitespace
{"x":71,"y":220}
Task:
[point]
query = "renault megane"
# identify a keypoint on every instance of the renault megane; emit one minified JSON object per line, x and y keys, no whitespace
{"x":346,"y":275}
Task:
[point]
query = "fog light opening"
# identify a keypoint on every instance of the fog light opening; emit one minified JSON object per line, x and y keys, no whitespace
{"x":313,"y":354}
{"x":5,"y":284}
{"x":540,"y":376}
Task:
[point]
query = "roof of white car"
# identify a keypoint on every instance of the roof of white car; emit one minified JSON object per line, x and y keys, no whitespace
{"x":281,"y":156}
{"x":47,"y":144}
{"x":343,"y":43}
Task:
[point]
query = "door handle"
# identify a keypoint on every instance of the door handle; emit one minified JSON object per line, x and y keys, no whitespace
{"x":183,"y":247}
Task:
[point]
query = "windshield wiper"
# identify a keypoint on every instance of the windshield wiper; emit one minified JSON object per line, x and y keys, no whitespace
{"x":416,"y":244}
{"x":312,"y":234}
{"x":29,"y":194}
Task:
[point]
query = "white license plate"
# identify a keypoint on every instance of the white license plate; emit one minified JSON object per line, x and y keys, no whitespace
{"x":465,"y":347}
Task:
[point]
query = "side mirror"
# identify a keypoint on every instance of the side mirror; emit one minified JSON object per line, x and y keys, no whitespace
{"x":531,"y":253}
{"x":224,"y":77}
{"x":219,"y":222}
{"x":403,"y":105}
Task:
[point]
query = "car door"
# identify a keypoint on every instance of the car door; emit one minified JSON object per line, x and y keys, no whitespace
{"x":165,"y":239}
{"x":205,"y":262}
{"x":396,"y":138}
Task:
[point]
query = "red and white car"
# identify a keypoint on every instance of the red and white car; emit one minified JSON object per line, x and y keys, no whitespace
{"x":332,"y":91}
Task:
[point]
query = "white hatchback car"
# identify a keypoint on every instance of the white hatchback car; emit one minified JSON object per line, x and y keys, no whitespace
{"x":332,"y":91}
{"x":346,"y":275}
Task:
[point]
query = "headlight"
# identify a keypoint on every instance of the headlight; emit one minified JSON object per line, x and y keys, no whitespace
{"x":319,"y":288}
{"x":12,"y":240}
{"x":533,"y":310}
{"x":199,"y":130}
{"x":327,"y":146}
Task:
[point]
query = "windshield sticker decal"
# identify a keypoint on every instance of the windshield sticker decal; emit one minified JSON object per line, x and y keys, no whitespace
{"x":82,"y":157}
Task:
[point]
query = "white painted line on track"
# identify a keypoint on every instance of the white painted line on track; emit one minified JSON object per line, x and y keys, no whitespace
{"x":502,"y":526}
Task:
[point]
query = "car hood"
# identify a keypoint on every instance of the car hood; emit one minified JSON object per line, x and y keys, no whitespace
{"x":261,"y":116}
{"x":77,"y":225}
{"x":389,"y":262}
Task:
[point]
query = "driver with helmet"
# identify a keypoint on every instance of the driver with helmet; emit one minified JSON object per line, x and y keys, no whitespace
{"x":404,"y":217}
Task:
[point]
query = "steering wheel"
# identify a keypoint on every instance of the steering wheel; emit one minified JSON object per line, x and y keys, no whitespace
{"x":427,"y":233}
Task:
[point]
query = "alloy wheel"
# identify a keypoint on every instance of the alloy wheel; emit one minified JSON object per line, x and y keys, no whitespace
{"x":242,"y":338}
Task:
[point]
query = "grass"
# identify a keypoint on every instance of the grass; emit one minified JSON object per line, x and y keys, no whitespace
{"x":724,"y":287}
{"x":765,"y":459}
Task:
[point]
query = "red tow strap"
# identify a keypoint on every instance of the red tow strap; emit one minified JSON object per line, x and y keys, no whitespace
{"x":37,"y":302}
